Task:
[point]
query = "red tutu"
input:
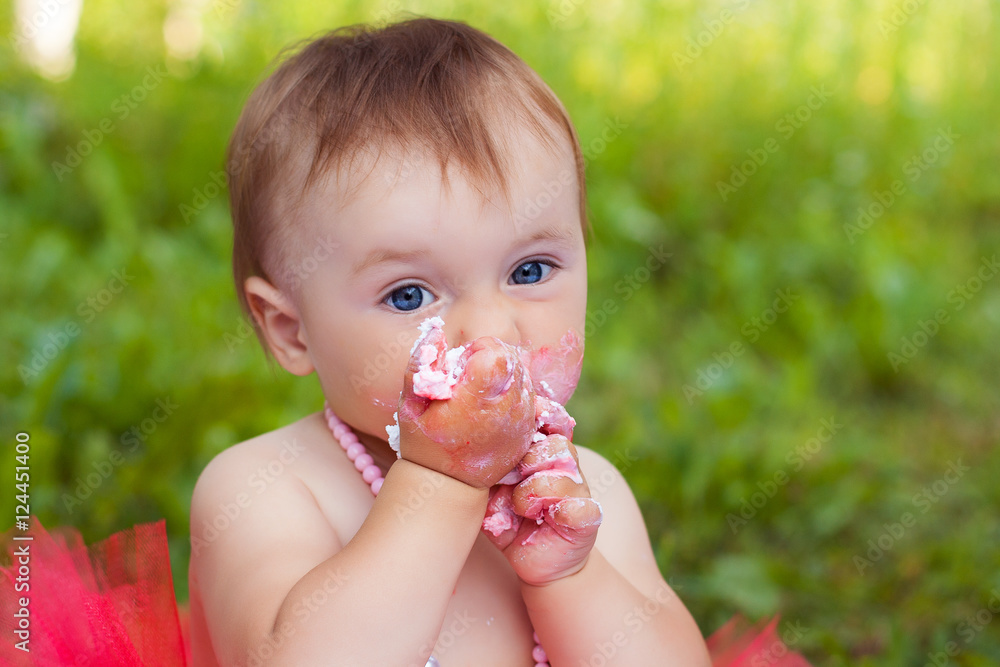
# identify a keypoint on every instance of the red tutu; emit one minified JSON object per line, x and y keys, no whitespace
{"x":739,"y":643}
{"x":108,"y":604}
{"x":113,"y":604}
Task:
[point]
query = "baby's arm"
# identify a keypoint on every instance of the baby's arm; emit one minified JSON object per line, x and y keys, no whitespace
{"x":278,"y":586}
{"x":618,"y":602}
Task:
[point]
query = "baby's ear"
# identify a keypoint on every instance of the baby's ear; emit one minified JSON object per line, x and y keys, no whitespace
{"x":279,"y":321}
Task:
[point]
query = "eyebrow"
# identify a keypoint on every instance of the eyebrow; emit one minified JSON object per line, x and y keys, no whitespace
{"x":550,"y":234}
{"x":384,"y":255}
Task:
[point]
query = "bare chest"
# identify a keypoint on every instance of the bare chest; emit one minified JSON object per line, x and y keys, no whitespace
{"x":486,"y":624}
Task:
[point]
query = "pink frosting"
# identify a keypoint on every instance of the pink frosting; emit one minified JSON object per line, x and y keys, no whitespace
{"x":436,"y":377}
{"x":429,"y":382}
{"x":499,"y":522}
{"x":554,"y":372}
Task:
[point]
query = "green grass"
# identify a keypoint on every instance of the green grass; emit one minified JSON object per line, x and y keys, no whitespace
{"x":704,"y":438}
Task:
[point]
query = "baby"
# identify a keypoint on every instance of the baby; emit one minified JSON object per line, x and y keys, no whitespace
{"x":380,"y":179}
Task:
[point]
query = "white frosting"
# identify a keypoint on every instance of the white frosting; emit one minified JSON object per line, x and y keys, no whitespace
{"x":426,"y":327}
{"x":431,"y":382}
{"x":393,"y":432}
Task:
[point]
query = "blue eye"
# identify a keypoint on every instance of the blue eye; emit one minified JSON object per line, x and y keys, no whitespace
{"x":530,"y":272}
{"x":408,"y":297}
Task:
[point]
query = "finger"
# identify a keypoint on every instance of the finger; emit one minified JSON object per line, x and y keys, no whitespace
{"x":575,"y":519}
{"x":553,"y":452}
{"x":490,"y":369}
{"x":501,"y":522}
{"x":551,"y":417}
{"x":536,"y":494}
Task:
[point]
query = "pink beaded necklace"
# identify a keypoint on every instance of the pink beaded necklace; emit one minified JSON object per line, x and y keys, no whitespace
{"x":372,"y":474}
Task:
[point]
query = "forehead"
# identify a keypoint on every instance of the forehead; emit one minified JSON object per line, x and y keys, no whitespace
{"x":532,"y":177}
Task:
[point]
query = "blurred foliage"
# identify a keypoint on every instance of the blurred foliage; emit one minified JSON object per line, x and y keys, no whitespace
{"x":698,"y":90}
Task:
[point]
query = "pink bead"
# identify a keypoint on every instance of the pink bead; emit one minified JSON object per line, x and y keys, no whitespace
{"x":538,"y":654}
{"x":377,"y":485}
{"x":534,"y":636}
{"x":370,"y":474}
{"x":355,"y":450}
{"x":339,"y":431}
{"x":349,"y":438}
{"x":363,"y":462}
{"x":541,"y":664}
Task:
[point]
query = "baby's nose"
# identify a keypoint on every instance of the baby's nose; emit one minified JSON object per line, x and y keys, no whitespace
{"x":475,"y":318}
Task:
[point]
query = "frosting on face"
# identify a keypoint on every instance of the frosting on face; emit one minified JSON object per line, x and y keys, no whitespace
{"x":436,"y":380}
{"x":555,"y":371}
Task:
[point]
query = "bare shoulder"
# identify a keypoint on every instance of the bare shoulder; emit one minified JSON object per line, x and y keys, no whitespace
{"x":266,"y":467}
{"x":294,"y":462}
{"x":255,"y":517}
{"x":623,"y":538}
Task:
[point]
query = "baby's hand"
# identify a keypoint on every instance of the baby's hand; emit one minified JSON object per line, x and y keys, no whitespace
{"x":480,"y":433}
{"x":547,"y":523}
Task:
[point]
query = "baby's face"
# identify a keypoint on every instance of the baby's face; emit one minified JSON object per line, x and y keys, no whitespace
{"x":405,"y":248}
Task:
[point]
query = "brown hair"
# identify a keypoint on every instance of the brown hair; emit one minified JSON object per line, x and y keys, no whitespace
{"x":439,"y":85}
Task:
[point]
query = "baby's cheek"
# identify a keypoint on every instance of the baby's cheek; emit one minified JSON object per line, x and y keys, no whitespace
{"x":380,"y":401}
